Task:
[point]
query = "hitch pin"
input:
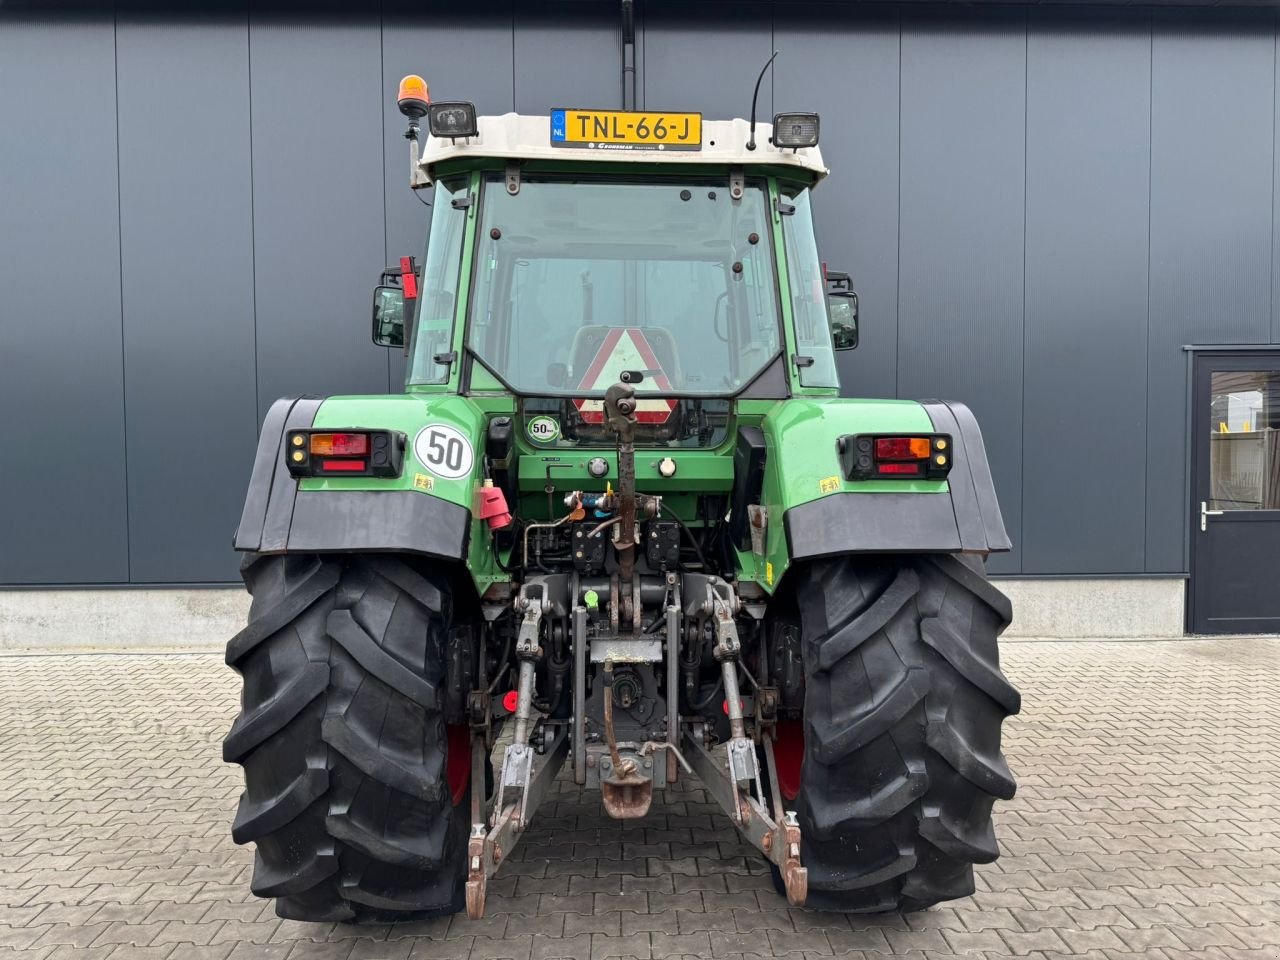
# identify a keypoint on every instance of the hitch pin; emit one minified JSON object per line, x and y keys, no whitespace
{"x":653,"y":746}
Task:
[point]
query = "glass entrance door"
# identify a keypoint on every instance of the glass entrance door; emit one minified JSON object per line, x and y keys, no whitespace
{"x":1235,"y":532}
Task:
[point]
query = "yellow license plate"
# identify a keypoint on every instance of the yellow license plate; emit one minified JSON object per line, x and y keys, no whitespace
{"x":626,"y":130}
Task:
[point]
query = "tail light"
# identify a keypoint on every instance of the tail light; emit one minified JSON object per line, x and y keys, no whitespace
{"x":345,"y":453}
{"x":901,"y":448}
{"x":867,"y":456}
{"x":339,"y":444}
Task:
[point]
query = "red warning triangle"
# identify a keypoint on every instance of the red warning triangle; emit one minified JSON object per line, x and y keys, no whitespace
{"x":625,"y":348}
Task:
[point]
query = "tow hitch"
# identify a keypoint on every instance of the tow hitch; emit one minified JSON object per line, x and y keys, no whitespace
{"x":525,"y":775}
{"x":731,"y":771}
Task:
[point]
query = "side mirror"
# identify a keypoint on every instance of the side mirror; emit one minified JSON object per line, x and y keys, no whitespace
{"x":842,"y":305}
{"x":388,"y":316}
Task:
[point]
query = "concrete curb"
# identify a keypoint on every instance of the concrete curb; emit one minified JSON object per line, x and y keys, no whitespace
{"x":204,"y":619}
{"x":121,"y":619}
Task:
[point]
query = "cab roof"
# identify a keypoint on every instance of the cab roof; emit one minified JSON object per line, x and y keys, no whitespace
{"x":513,"y":136}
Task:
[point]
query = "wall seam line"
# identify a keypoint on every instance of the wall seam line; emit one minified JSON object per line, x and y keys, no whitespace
{"x":773,"y":48}
{"x":897,"y":299}
{"x":1146,"y":371}
{"x":253,"y":215}
{"x":124,"y":371}
{"x":382,"y":113}
{"x":644,"y":62}
{"x":1026,"y":137}
{"x":1272,"y":291}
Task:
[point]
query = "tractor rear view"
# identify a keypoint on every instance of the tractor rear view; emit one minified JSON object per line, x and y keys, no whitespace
{"x":620,"y":528}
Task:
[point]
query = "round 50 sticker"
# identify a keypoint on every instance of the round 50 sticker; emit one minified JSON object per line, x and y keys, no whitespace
{"x":543,"y":429}
{"x":444,"y":450}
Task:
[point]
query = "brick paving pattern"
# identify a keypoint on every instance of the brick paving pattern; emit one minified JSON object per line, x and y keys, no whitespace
{"x":1147,"y":825}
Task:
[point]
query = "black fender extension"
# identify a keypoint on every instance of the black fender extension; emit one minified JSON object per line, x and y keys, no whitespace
{"x":280,"y":518}
{"x":966,"y":520}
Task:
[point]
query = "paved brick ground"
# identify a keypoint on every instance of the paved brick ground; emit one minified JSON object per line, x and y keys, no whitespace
{"x":1147,"y":824}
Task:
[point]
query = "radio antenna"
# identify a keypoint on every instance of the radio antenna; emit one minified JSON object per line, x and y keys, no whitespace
{"x":751,"y":141}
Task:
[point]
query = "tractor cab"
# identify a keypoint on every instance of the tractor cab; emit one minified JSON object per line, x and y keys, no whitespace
{"x":590,"y":247}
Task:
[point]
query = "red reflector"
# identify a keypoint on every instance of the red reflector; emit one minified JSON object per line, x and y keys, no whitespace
{"x":408,"y":279}
{"x":339,"y":444}
{"x":343,"y":466}
{"x":909,"y":469}
{"x":511,"y":700}
{"x":724,"y":705}
{"x":902,"y":448}
{"x":788,"y":752}
{"x":457,"y":766}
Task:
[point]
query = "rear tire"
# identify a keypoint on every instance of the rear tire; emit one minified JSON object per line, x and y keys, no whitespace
{"x":343,"y":742}
{"x":904,"y":699}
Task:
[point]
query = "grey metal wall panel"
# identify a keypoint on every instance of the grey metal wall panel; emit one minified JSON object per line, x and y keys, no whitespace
{"x":960,"y":282}
{"x":318,"y":230}
{"x":1212,"y":116}
{"x":844,"y":64}
{"x":62,"y":473}
{"x":463,"y":55}
{"x":1088,"y":122}
{"x":707,"y":58}
{"x":1275,"y":203}
{"x":568,"y":54}
{"x":324,"y":186}
{"x":187,"y":271}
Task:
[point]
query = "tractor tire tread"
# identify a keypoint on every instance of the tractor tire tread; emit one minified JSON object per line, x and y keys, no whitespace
{"x":270,"y":717}
{"x":342,"y":740}
{"x":903,"y":706}
{"x":254,"y":820}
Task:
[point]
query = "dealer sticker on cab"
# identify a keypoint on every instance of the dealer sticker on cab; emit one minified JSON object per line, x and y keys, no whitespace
{"x":543,"y":429}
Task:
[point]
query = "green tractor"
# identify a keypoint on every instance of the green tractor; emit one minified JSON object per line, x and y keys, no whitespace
{"x":622,"y":528}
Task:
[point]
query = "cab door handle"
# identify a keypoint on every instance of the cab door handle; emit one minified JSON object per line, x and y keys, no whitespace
{"x":1205,"y":514}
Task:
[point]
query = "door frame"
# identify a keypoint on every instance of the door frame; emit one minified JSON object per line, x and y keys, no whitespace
{"x":1196,"y":355}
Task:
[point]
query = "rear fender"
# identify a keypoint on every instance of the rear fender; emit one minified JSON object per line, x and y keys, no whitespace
{"x":814,"y":511}
{"x":418,"y":512}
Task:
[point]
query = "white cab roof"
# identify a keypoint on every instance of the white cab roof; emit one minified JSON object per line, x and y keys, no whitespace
{"x":516,"y":137}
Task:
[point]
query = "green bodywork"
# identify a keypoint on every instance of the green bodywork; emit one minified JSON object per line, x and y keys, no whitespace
{"x":802,"y":462}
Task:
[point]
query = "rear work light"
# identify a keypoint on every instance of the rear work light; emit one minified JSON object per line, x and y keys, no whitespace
{"x":866,"y":456}
{"x":795,"y":130}
{"x":347,"y":453}
{"x":452,"y":120}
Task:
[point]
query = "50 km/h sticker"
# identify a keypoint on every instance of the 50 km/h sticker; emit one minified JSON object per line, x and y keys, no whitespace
{"x":444,"y":450}
{"x":543,"y":429}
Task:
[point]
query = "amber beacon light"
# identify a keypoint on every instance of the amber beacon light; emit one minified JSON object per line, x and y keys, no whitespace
{"x":413,"y":98}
